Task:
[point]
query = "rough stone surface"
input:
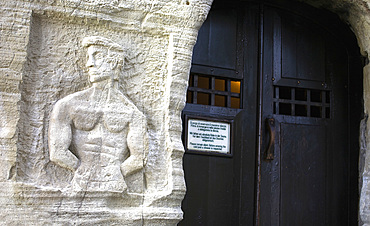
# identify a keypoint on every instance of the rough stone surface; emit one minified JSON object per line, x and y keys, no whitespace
{"x":47,"y":102}
{"x":42,"y":61}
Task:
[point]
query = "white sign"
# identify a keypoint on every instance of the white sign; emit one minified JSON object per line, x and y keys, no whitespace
{"x":208,"y":136}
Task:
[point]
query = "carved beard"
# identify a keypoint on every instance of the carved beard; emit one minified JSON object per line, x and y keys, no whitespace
{"x":99,"y":75}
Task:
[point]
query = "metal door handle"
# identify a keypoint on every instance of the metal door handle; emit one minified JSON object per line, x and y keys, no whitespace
{"x":270,"y":122}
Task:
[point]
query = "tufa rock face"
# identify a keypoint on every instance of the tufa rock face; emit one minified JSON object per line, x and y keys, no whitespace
{"x":98,"y":133}
{"x":91,"y":98}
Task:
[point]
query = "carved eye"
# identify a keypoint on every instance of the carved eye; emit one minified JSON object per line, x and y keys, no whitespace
{"x":99,"y":56}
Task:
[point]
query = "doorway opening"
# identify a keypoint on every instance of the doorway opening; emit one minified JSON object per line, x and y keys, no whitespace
{"x":286,"y":80}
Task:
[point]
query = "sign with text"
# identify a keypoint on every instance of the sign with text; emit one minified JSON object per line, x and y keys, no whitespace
{"x":208,"y":136}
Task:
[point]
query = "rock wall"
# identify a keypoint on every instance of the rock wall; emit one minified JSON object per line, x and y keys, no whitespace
{"x":42,"y":61}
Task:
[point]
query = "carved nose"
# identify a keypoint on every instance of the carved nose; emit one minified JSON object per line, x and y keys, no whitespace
{"x":90,"y":62}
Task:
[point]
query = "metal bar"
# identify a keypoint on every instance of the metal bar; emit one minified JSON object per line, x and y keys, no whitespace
{"x":301,"y":102}
{"x":212,"y":89}
{"x":323,"y":101}
{"x":217,"y":92}
{"x":228,"y":88}
{"x":195,"y":93}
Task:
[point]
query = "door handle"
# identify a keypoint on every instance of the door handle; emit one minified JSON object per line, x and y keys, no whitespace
{"x":270,"y":152}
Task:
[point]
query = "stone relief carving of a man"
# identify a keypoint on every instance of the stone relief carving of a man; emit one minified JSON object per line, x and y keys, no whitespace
{"x":99,"y":133}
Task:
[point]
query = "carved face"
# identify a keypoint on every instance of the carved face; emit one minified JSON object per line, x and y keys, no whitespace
{"x":98,"y":65}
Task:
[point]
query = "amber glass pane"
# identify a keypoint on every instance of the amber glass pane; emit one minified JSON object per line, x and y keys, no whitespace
{"x":235,"y":86}
{"x":220,"y":101}
{"x":235,"y":102}
{"x":203,"y":98}
{"x":191,"y":79}
{"x":203,"y":82}
{"x":189,"y":97}
{"x":220,"y":84}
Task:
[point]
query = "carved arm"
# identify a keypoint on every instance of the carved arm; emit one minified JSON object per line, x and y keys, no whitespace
{"x":137,"y":140}
{"x":60,"y":137}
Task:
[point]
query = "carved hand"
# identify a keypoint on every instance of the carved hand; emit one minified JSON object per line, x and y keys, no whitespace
{"x":65,"y":158}
{"x":131,"y":165}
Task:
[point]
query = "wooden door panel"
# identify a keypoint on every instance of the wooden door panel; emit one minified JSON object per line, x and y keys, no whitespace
{"x":302,"y":174}
{"x":305,"y":80}
{"x":217,"y":193}
{"x":213,"y":180}
{"x":217,"y":42}
{"x":212,"y":202}
{"x":302,"y":49}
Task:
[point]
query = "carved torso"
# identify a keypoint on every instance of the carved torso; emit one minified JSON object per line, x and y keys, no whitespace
{"x":99,"y":132}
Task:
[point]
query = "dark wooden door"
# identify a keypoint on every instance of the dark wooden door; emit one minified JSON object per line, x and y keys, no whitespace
{"x":295,"y":128}
{"x":305,"y":176}
{"x":217,"y":84}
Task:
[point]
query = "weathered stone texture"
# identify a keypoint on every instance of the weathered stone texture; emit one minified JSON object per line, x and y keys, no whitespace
{"x":15,"y":26}
{"x":42,"y":61}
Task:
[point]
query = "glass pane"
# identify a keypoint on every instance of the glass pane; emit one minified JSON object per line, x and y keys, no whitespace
{"x":285,"y":109}
{"x":235,"y":86}
{"x":235,"y":102}
{"x":301,"y":94}
{"x":300,"y":110}
{"x":315,"y":95}
{"x":191,"y":79}
{"x":316,"y":111}
{"x":285,"y":93}
{"x":220,"y":101}
{"x":220,"y":84}
{"x":203,"y":82}
{"x":189,"y":97}
{"x":203,"y":98}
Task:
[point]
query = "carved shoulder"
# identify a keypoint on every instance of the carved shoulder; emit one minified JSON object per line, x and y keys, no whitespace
{"x":138,"y":115}
{"x":138,"y":121}
{"x":60,"y":112}
{"x":64,"y":108}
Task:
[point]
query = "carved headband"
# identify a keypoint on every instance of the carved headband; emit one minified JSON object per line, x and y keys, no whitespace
{"x":101,"y":41}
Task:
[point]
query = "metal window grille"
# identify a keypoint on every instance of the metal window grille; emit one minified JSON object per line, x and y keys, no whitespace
{"x":214,"y":91}
{"x":301,"y":102}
